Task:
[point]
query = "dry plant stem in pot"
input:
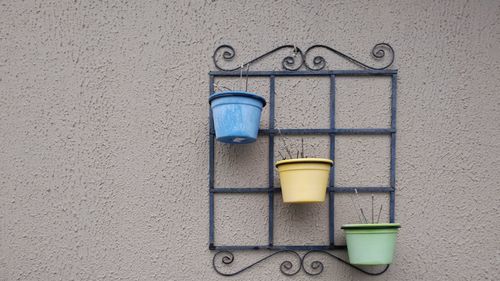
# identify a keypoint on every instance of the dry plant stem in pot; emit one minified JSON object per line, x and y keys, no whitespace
{"x":303,"y":180}
{"x":370,"y":243}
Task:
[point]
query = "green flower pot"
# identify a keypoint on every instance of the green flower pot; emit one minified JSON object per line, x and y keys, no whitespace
{"x":371,"y":244}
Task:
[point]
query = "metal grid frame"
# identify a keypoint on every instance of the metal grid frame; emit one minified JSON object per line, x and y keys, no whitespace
{"x":332,"y":132}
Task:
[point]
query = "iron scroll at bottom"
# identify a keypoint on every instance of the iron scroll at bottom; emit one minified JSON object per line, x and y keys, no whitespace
{"x":287,"y":267}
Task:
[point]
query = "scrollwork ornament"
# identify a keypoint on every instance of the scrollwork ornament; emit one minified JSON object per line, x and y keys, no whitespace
{"x":298,"y":58}
{"x":287,"y":267}
{"x":316,"y":267}
{"x":292,"y":62}
{"x":379,"y":52}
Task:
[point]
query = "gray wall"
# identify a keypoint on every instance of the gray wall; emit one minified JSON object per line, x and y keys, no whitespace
{"x":103,"y":146}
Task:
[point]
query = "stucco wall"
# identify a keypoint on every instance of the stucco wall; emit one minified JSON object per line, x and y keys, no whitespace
{"x":103,"y":144}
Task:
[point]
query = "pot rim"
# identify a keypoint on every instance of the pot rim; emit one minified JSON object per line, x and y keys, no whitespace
{"x":371,"y":226}
{"x":304,"y":160}
{"x":237,"y":94}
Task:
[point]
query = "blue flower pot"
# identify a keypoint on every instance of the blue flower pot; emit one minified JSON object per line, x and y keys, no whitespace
{"x":236,"y":116}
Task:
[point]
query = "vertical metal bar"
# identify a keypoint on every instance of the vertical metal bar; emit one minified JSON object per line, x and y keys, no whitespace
{"x":331,"y":193}
{"x":392,"y":202}
{"x":211,"y":173}
{"x":271,"y":160}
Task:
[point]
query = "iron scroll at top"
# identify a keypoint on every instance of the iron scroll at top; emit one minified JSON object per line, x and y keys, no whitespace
{"x":298,"y":58}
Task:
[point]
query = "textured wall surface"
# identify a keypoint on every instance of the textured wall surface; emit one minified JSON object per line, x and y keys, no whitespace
{"x":103,"y":144}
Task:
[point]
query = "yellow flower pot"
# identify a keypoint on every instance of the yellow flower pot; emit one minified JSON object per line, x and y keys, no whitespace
{"x":304,"y":180}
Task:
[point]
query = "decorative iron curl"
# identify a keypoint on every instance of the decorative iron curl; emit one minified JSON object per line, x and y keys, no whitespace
{"x":286,"y":267}
{"x":378,"y":52}
{"x":287,"y":63}
{"x":316,"y":267}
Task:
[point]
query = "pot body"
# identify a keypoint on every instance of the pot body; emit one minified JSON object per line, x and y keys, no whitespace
{"x":371,"y":245}
{"x":304,"y":180}
{"x":236,"y":116}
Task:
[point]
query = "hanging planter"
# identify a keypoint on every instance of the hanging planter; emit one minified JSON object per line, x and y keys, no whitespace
{"x":236,"y":116}
{"x":304,"y":180}
{"x":371,"y":244}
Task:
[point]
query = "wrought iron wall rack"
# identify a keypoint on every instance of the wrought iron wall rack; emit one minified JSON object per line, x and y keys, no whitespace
{"x":299,"y":65}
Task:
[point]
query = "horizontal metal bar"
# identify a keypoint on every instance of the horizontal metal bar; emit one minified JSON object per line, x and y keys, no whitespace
{"x":363,"y":72}
{"x":239,"y":248}
{"x":277,"y":247}
{"x":368,"y":131}
{"x":306,"y":247}
{"x":277,"y":189}
{"x":337,"y":131}
{"x":243,"y":190}
{"x":362,"y":189}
